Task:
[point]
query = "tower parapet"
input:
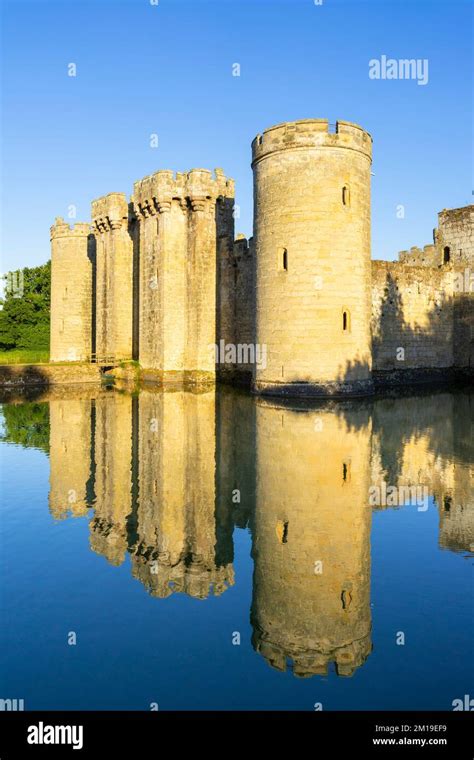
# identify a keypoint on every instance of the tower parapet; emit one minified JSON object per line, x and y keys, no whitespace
{"x":110,"y":212}
{"x":311,"y":133}
{"x":61,"y":229}
{"x":155,"y":192}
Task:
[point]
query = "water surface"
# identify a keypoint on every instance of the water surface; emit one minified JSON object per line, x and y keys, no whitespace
{"x":216,"y":551}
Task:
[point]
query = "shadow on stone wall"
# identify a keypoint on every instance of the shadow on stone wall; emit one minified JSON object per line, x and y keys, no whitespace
{"x":439,"y":350}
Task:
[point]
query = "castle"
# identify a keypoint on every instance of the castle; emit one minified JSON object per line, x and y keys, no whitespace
{"x":299,"y":309}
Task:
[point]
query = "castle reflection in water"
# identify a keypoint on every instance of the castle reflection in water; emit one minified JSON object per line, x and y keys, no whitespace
{"x":166,"y":476}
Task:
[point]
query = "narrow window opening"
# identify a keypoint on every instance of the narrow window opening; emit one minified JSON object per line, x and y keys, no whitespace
{"x":346,"y":472}
{"x":446,"y":254}
{"x":345,"y":195}
{"x":346,"y":599}
{"x":346,"y":321}
{"x":447,"y":503}
{"x":282,"y":259}
{"x":282,"y":531}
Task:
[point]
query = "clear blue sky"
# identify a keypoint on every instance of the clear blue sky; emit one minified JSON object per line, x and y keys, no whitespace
{"x":167,"y":69}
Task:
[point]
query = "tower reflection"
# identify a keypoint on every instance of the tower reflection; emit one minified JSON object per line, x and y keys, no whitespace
{"x":311,"y":548}
{"x":166,"y":476}
{"x":176,"y":545}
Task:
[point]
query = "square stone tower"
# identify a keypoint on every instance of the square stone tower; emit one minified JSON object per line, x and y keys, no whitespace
{"x":184,"y":220}
{"x":114,"y":277}
{"x":72,"y":271}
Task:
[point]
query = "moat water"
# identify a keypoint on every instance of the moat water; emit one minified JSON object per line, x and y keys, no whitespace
{"x":211,"y":550}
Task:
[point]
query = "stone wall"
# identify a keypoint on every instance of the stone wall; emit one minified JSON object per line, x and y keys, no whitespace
{"x":463,"y":348}
{"x":236,"y":311}
{"x":48,"y":374}
{"x":412,"y":318}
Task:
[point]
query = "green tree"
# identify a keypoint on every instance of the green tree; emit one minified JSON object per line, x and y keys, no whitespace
{"x":27,"y":425}
{"x":25,"y":308}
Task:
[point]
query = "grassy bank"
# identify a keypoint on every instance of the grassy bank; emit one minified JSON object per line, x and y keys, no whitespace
{"x":24,"y":356}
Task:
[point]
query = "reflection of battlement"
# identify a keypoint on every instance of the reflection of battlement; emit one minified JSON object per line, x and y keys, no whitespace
{"x":311,"y":599}
{"x":430,"y":445}
{"x":165,"y":467}
{"x":456,"y":504}
{"x":176,"y":546}
{"x":456,"y":512}
{"x":189,"y":576}
{"x":70,"y":456}
{"x":113,"y":476}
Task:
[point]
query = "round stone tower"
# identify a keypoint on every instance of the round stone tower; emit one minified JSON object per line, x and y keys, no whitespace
{"x":312,"y":247}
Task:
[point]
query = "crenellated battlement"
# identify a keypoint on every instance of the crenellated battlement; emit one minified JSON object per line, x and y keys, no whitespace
{"x":453,"y":241}
{"x":306,"y":663}
{"x":109,"y":212}
{"x":60,"y":229}
{"x":426,"y":256}
{"x":243,"y":247}
{"x":154,"y":193}
{"x":311,"y":133}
